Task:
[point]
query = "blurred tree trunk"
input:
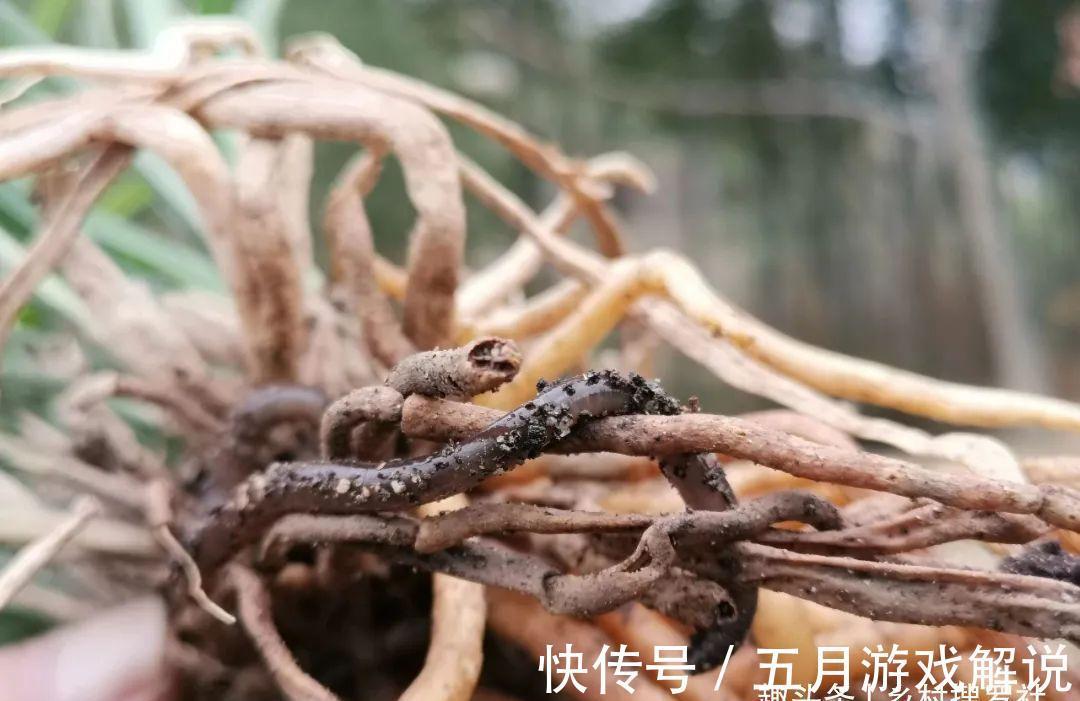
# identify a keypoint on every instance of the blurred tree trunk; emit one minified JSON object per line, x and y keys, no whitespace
{"x":1016,"y":351}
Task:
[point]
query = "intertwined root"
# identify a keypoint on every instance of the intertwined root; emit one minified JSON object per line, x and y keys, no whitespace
{"x":290,"y":369}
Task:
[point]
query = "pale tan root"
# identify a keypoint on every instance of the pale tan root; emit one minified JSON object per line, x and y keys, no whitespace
{"x":352,"y":259}
{"x":60,"y":231}
{"x":536,"y":316}
{"x":324,"y":110}
{"x":491,"y":286}
{"x":33,"y":557}
{"x":525,"y":623}
{"x":596,"y":314}
{"x":324,"y":53}
{"x":23,"y":457}
{"x":455,"y":654}
{"x":666,"y":274}
{"x":176,"y":47}
{"x":159,"y":516}
{"x":256,"y":615}
{"x":208,"y":321}
{"x":268,"y":287}
{"x":642,"y":629}
{"x":698,"y":433}
{"x":133,"y":325}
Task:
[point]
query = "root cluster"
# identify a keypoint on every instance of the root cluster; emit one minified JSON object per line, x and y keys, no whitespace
{"x":375,"y":449}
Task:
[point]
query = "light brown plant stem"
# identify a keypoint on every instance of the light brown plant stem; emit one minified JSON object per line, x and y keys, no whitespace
{"x":524,"y":622}
{"x":378,"y":408}
{"x":256,"y":615}
{"x":458,"y":616}
{"x":919,"y":594}
{"x":695,"y":433}
{"x":326,"y":54}
{"x":478,"y":366}
{"x":159,"y":516}
{"x":352,"y":259}
{"x":36,"y":555}
{"x":324,"y":109}
{"x":980,"y":453}
{"x":669,"y":275}
{"x":934,"y":524}
{"x":116,"y":487}
{"x":59,"y":232}
{"x":268,"y":287}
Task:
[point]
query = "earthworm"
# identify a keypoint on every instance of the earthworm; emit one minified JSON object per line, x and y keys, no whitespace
{"x":241,"y":452}
{"x":700,"y":481}
{"x":270,"y":405}
{"x":1045,"y":559}
{"x":353,"y":487}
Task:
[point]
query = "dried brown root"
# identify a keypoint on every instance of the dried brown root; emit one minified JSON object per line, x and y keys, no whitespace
{"x":477,"y":367}
{"x":261,"y":409}
{"x":487,"y":562}
{"x":388,"y":113}
{"x":666,"y":274}
{"x":272,"y":109}
{"x":495,"y":283}
{"x":336,"y":358}
{"x":175,"y":48}
{"x":524,"y":622}
{"x":98,"y":435}
{"x":324,"y":53}
{"x":17,"y":573}
{"x":159,"y":516}
{"x":562,"y":306}
{"x":521,"y":262}
{"x":805,"y":426}
{"x":440,"y":532}
{"x":699,"y":433}
{"x":115,"y":487}
{"x":718,"y":527}
{"x":256,"y":616}
{"x":191,"y":152}
{"x":1056,"y":469}
{"x":376,"y":408}
{"x":458,"y":618}
{"x":920,"y":594}
{"x":353,"y":260}
{"x":538,"y":315}
{"x":669,"y":275}
{"x":267,"y":423}
{"x":923,"y":527}
{"x":193,"y":419}
{"x":59,"y":233}
{"x":294,"y":164}
{"x":982,"y":454}
{"x":152,"y":348}
{"x":268,"y":286}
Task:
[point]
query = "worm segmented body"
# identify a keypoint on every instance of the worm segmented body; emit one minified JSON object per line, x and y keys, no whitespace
{"x":353,"y":488}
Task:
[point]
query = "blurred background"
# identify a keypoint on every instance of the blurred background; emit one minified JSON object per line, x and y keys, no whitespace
{"x":894,"y":179}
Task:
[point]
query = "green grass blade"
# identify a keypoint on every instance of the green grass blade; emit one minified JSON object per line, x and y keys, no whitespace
{"x":49,"y":15}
